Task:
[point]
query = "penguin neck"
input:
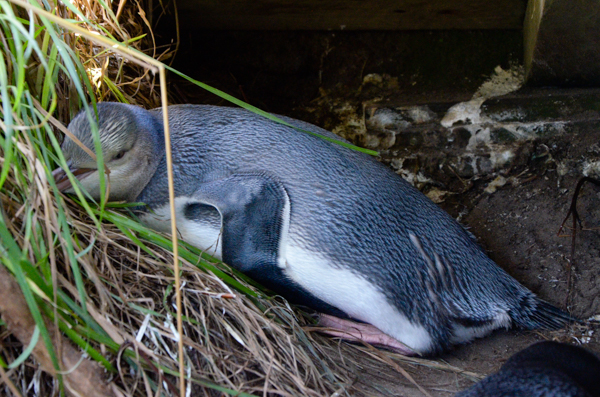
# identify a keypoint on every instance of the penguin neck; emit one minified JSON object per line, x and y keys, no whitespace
{"x":154,"y":147}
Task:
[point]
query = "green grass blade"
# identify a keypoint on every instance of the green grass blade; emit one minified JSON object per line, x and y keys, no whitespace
{"x":27,"y":351}
{"x":268,"y":115}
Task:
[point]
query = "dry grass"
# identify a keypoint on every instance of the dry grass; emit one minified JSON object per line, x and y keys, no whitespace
{"x":114,"y":77}
{"x":228,"y":340}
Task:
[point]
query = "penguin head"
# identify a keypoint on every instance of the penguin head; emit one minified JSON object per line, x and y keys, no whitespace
{"x":132,"y":144}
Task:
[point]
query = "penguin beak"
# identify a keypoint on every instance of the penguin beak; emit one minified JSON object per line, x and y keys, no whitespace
{"x":62,"y":180}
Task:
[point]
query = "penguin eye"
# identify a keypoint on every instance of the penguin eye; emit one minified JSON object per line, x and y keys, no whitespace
{"x":119,"y":155}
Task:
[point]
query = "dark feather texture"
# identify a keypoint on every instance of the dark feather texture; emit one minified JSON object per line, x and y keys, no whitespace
{"x":546,"y":369}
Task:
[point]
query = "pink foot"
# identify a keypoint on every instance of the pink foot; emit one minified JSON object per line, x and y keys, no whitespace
{"x":356,"y":332}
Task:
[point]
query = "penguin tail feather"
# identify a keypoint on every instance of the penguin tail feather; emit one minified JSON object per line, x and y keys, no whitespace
{"x":543,"y":315}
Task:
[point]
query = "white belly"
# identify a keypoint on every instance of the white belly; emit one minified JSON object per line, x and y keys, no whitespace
{"x":353,"y":294}
{"x":204,"y":235}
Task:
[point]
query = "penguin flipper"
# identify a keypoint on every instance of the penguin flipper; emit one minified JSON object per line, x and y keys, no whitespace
{"x":255,"y":213}
{"x":254,"y":209}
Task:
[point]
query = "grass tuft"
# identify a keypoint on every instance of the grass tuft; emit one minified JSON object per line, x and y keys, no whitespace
{"x":95,"y":276}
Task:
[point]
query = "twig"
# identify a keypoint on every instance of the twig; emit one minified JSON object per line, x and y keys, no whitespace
{"x":576,"y":219}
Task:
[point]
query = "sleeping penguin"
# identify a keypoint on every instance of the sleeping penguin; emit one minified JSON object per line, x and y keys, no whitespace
{"x":324,"y":226}
{"x":546,"y":369}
